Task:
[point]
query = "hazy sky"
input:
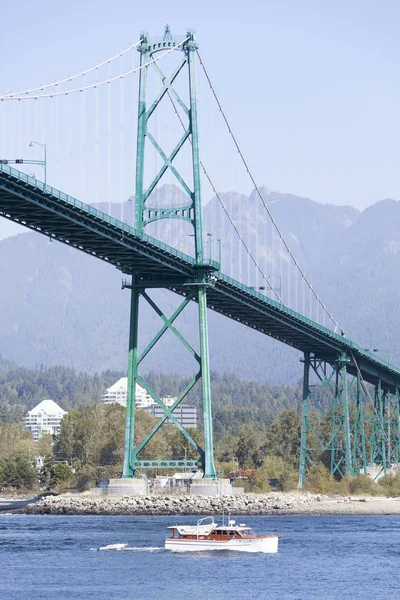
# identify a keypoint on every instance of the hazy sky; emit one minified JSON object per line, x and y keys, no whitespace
{"x":311,"y":88}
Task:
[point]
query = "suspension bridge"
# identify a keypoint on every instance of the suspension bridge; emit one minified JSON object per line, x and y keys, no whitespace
{"x":79,"y":112}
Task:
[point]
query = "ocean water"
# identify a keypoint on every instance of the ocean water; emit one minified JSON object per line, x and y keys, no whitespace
{"x":322,"y":558}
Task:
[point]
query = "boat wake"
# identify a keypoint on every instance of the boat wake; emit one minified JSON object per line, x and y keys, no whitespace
{"x":126,"y":548}
{"x":145,"y":548}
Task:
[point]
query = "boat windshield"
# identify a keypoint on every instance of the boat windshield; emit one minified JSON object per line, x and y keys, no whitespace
{"x":247,"y":531}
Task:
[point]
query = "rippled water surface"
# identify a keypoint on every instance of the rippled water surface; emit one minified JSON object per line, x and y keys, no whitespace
{"x":324,"y":558}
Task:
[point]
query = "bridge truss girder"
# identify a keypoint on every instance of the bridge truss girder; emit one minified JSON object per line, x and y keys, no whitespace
{"x":356,"y":428}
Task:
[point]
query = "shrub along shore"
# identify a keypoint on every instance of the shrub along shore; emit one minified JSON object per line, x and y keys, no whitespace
{"x":274,"y":503}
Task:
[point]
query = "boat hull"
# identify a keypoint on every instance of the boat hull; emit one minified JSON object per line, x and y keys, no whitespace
{"x":261,"y":544}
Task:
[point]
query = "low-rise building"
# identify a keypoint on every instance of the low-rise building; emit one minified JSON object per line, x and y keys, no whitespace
{"x":185,"y":414}
{"x":46,"y":417}
{"x":118,"y":392}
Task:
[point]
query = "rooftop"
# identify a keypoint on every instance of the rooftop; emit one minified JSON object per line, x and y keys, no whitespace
{"x":49,"y":407}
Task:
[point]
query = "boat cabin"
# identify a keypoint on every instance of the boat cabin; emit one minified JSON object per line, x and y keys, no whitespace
{"x":206,"y":532}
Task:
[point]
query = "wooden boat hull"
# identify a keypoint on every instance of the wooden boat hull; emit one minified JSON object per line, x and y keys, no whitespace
{"x":267,"y":544}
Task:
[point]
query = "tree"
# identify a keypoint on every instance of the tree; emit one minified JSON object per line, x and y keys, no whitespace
{"x":17,"y":473}
{"x":260,"y":481}
{"x":179,"y":447}
{"x":248,"y":448}
{"x":273,"y":466}
{"x":289,"y":479}
{"x":60,"y":473}
{"x":283,"y":437}
{"x":14,"y":441}
{"x":44,"y":446}
{"x":65,"y":442}
{"x":318,"y":479}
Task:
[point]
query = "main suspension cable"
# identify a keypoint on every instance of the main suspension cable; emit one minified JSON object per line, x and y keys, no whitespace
{"x":95,"y":85}
{"x":67,"y":79}
{"x":257,"y":189}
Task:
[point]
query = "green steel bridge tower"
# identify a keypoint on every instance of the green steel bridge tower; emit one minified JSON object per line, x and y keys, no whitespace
{"x":204,"y":269}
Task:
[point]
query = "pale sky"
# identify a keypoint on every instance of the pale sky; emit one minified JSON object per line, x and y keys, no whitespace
{"x":311,"y":88}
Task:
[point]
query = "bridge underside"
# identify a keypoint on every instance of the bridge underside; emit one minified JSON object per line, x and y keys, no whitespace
{"x":59,"y":216}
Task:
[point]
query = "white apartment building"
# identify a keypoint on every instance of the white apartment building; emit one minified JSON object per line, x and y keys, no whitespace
{"x":118,"y":392}
{"x":46,"y":417}
{"x":185,"y":414}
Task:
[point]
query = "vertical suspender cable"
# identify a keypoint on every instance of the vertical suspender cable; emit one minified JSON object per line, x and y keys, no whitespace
{"x":96,"y":145}
{"x":56,"y":136}
{"x":68,"y":134}
{"x":20,"y":125}
{"x":46,"y":107}
{"x":122,"y":137}
{"x":3,"y":128}
{"x":82,"y":150}
{"x":109,"y":151}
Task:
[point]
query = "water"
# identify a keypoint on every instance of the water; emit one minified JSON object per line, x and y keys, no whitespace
{"x":321,"y":558}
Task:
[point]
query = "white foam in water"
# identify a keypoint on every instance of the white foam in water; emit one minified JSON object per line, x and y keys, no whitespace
{"x":133,"y":549}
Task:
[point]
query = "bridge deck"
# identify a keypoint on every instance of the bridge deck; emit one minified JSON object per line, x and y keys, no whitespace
{"x":50,"y":212}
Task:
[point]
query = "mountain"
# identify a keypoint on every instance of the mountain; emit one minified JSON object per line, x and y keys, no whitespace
{"x":59,"y":306}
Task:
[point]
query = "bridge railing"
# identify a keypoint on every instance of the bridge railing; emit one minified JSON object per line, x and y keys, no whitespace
{"x":344,"y":342}
{"x":98,"y":214}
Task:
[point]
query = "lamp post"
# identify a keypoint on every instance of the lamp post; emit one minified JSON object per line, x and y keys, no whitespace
{"x":43,"y":163}
{"x":271,"y":288}
{"x":209,"y":241}
{"x":219,"y":252}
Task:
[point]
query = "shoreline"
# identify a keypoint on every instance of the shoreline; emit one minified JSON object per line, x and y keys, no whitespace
{"x":273,"y":503}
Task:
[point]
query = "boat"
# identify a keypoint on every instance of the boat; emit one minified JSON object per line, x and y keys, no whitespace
{"x":211,"y":536}
{"x":114,"y":547}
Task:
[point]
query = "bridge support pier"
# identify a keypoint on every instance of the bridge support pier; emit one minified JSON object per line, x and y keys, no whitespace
{"x":341,"y":441}
{"x":209,"y":467}
{"x":345,"y":427}
{"x":304,"y":420}
{"x":132,"y":379}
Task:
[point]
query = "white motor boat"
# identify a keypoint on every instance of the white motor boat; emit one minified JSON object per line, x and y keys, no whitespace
{"x":211,"y":536}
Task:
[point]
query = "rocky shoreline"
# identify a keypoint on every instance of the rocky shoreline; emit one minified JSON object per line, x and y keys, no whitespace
{"x":277,"y":503}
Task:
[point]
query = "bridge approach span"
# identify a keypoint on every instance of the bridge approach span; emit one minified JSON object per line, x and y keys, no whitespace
{"x":152,"y":263}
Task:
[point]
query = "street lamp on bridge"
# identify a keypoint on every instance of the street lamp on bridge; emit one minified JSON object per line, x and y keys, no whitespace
{"x":43,"y":163}
{"x":270,"y":287}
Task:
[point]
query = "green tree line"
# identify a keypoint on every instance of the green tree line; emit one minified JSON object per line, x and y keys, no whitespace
{"x":256,"y":425}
